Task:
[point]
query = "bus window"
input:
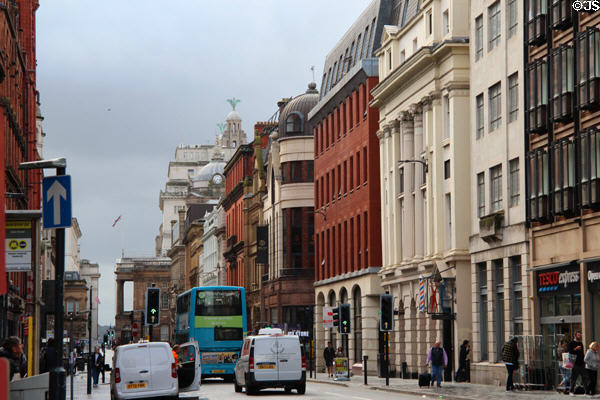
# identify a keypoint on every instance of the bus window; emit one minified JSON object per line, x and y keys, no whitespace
{"x":228,"y":333}
{"x":218,"y":303}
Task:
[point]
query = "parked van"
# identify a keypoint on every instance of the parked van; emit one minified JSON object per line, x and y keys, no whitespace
{"x":148,"y":369}
{"x":271,"y":361}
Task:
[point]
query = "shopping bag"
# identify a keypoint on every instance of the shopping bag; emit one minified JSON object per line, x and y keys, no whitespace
{"x":568,"y":360}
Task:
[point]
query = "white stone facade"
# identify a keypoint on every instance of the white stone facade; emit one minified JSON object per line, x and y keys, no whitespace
{"x":499,"y":240}
{"x":212,"y":263}
{"x":91,"y":274}
{"x":423,"y":99}
{"x":72,"y":252}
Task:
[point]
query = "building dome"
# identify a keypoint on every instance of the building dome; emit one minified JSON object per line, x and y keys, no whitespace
{"x":233,"y":116}
{"x":206,"y":173}
{"x":293,"y":120}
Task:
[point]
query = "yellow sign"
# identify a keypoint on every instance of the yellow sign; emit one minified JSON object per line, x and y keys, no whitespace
{"x":18,"y":245}
{"x":341,"y":367}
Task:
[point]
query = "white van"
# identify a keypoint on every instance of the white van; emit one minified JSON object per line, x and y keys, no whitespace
{"x":148,"y":369}
{"x":271,"y":361}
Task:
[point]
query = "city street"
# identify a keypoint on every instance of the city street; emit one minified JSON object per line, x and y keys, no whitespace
{"x":219,"y":390}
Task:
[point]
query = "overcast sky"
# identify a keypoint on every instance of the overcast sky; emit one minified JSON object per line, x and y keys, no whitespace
{"x":123,"y":83}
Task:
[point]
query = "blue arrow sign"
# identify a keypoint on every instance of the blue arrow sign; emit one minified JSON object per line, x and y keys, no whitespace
{"x":56,"y":208}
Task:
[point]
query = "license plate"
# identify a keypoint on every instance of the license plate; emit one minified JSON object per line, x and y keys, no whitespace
{"x":266,"y":366}
{"x":136,"y":385}
{"x":218,"y":371}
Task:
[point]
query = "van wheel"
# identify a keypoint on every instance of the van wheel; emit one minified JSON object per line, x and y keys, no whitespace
{"x":236,"y":387}
{"x":302,"y":388}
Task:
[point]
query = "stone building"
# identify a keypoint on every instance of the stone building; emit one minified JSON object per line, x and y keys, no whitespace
{"x":144,"y":272}
{"x":253,"y":222}
{"x":213,"y":243}
{"x":562,"y":143}
{"x":347,"y":186}
{"x":186,"y":174}
{"x":423,"y":100}
{"x":499,"y":239}
{"x":288,"y":211}
{"x":90,"y":273}
{"x":77,"y":306}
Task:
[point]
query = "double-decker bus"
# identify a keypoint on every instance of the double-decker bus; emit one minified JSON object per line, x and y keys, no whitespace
{"x":215,"y":317}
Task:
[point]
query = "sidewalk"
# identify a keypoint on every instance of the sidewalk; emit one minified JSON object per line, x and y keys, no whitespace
{"x":102,"y":392}
{"x":449,"y":391}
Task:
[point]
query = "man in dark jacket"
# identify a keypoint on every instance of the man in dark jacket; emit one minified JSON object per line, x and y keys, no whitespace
{"x":11,"y":350}
{"x":49,"y":359}
{"x":575,"y":347}
{"x":462,"y":361}
{"x":510,"y":356}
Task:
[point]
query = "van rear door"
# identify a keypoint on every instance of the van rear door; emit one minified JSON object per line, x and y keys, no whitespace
{"x":290,"y":358}
{"x":189,"y":371}
{"x":134,"y":365}
{"x":265,"y":358}
{"x":161,"y":360}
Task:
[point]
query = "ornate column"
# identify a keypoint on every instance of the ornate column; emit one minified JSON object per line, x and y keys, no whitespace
{"x":395,"y":236}
{"x":417,"y":113}
{"x":408,"y":217}
{"x":386,"y":247}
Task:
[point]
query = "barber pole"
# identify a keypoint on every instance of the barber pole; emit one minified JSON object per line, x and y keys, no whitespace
{"x":421,"y":294}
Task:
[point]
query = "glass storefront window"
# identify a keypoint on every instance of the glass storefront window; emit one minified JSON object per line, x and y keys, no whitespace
{"x":576,"y":304}
{"x":595,"y":311}
{"x":563,"y":305}
{"x":547,"y":304}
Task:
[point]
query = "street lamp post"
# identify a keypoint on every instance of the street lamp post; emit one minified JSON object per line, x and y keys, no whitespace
{"x":58,"y":388}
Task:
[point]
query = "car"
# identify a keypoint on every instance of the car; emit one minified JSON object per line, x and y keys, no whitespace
{"x":148,"y":369}
{"x":271,"y":361}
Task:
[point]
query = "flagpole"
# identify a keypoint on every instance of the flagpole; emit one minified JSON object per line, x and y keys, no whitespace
{"x":122,"y":243}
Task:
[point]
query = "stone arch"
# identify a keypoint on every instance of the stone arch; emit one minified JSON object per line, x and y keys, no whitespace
{"x":319,"y":330}
{"x":343,"y":296}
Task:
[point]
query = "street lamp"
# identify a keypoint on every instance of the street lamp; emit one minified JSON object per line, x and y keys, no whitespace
{"x":58,"y":389}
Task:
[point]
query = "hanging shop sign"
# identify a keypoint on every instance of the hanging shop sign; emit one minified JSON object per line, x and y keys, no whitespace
{"x":18,"y":246}
{"x":558,"y":280}
{"x":593,"y":276}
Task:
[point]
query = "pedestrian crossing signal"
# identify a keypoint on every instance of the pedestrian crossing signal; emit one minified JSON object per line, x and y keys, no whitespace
{"x":152,"y":306}
{"x":386,"y":308}
{"x":344,"y":312}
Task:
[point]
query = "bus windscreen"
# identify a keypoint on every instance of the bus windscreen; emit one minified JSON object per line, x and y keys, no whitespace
{"x":218,"y":303}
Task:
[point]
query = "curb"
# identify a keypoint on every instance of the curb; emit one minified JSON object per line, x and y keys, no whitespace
{"x":328,"y":382}
{"x":427,"y":394}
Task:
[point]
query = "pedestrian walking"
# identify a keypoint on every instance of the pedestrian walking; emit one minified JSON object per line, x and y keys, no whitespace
{"x":592,"y":364}
{"x":510,"y":356}
{"x":465,"y":348}
{"x":11,"y":350}
{"x":49,"y":359}
{"x":575,"y":348}
{"x":340,"y":352}
{"x":439,"y":360}
{"x":565,"y":372}
{"x":97,"y":365}
{"x":328,"y":355}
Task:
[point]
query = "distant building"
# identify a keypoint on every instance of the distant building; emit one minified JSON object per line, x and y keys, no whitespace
{"x":213,"y":242}
{"x":90,"y":272}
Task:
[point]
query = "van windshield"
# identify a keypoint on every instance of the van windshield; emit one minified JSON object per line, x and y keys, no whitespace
{"x":218,"y":303}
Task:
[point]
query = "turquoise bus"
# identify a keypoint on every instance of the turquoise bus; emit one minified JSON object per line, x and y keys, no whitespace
{"x":215,"y":317}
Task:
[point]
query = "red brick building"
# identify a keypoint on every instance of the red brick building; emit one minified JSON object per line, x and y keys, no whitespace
{"x":19,"y":189}
{"x":347,"y":185}
{"x":238,"y":175}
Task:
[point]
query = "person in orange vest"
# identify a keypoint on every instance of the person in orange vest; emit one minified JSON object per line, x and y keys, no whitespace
{"x":175,"y":351}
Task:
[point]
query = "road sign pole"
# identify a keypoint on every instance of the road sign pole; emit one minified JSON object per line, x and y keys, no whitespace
{"x":91,"y":354}
{"x":58,"y":386}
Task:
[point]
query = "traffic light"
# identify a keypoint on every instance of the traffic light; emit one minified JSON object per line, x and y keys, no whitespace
{"x":105,"y":339}
{"x":344,"y":326}
{"x":336,"y":316}
{"x":386,"y":307}
{"x":152,"y":306}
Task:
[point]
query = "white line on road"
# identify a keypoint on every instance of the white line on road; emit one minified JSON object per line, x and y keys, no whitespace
{"x":342,"y":395}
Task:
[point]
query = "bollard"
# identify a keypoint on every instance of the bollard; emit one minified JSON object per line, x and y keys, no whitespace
{"x":365,"y":358}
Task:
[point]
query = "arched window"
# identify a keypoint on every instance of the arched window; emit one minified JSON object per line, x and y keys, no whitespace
{"x":294,"y":123}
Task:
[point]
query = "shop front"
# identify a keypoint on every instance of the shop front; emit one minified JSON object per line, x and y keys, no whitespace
{"x":593,"y":284}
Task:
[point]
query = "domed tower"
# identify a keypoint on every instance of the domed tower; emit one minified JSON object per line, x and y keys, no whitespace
{"x":233,"y":135}
{"x":288,"y":210}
